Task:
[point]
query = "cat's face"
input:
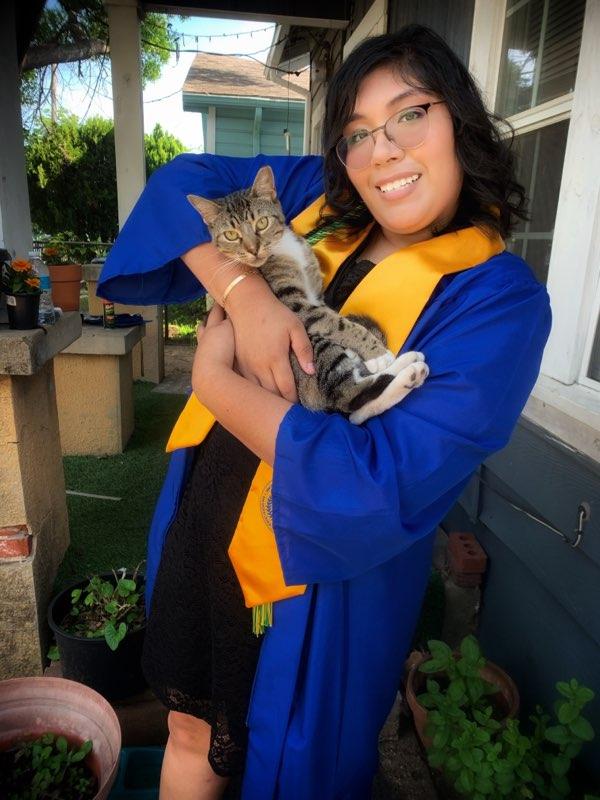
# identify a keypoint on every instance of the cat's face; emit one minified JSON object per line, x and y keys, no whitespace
{"x":245,"y":225}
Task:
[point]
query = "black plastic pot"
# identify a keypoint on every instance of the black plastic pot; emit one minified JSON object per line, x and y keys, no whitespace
{"x":23,"y":311}
{"x":115,"y":674}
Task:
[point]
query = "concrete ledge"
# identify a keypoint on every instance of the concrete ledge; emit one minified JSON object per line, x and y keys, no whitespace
{"x":98,"y":341}
{"x":26,"y":352}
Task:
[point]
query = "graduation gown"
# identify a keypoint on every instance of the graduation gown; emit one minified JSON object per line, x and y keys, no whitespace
{"x":330,"y":666}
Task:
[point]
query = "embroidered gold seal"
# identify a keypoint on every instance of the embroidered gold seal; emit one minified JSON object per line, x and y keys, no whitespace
{"x":266,"y":505}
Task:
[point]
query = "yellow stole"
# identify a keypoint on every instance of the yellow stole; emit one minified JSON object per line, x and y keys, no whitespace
{"x":394,"y":293}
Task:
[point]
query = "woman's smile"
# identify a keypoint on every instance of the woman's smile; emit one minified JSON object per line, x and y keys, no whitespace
{"x":398,"y":185}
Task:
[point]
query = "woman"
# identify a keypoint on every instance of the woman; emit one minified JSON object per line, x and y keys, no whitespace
{"x":409,"y":147}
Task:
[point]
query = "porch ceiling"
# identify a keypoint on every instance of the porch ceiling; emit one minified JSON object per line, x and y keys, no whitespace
{"x":287,"y":12}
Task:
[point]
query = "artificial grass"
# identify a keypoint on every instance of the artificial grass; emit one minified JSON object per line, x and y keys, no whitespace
{"x":107,"y":534}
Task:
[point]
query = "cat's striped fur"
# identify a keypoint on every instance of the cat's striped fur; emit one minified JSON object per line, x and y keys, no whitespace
{"x":355,"y":373}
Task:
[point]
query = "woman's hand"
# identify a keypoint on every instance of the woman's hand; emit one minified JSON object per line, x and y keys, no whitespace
{"x":250,"y":413}
{"x":215,"y":351}
{"x":265,"y":333}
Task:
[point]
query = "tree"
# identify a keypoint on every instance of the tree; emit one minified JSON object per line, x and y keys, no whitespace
{"x":71,"y":175}
{"x":76,"y":31}
{"x":160,"y":147}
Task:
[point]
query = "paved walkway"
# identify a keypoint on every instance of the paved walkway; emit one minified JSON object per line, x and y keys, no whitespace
{"x":178,"y":369}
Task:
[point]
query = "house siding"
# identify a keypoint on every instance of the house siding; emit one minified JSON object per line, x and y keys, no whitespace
{"x":453,"y":20}
{"x":539,"y":615}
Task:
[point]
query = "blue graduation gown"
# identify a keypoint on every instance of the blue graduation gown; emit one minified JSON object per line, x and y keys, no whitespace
{"x":354,"y":508}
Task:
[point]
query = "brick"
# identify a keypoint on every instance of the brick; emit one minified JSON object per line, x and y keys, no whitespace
{"x":15,"y":542}
{"x":466,"y":558}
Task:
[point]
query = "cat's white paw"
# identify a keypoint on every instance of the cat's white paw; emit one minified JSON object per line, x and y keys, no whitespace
{"x":409,"y":377}
{"x":414,"y":375}
{"x":404,"y":361}
{"x":379,"y":363}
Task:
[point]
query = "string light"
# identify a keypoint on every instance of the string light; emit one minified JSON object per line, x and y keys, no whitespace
{"x":238,"y":55}
{"x":237,"y":34}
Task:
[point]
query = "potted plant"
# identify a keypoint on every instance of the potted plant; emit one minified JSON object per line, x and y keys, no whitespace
{"x":99,"y":626}
{"x":65,"y":275}
{"x":476,"y":742}
{"x":465,"y":676}
{"x":58,"y":739}
{"x":21,"y":284}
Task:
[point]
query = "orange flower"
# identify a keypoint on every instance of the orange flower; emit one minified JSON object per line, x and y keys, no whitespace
{"x":50,"y":251}
{"x":20,"y":265}
{"x":35,"y":282}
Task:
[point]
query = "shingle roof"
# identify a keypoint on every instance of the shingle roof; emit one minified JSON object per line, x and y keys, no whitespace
{"x":237,"y":76}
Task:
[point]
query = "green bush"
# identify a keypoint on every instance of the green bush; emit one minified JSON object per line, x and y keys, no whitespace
{"x":71,"y":175}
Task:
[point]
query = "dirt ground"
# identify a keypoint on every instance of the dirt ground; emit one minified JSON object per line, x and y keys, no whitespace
{"x":178,"y":369}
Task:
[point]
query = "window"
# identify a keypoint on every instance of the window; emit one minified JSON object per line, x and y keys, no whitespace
{"x":538,"y":67}
{"x":540,"y":50}
{"x":537,"y":63}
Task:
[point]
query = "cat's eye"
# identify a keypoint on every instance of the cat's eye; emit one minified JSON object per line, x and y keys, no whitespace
{"x":262,"y":223}
{"x":231,"y":236}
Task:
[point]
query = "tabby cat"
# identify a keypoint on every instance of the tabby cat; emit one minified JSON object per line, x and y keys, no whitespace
{"x":355,"y":373}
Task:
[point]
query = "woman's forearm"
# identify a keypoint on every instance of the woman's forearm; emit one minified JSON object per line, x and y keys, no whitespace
{"x":214,"y":270}
{"x":249,"y":412}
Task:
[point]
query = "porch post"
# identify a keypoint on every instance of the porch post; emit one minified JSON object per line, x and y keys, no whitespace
{"x":15,"y":220}
{"x":126,"y":67}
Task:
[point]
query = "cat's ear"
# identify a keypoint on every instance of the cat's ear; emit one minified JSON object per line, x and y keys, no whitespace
{"x":207,"y":209}
{"x":264,"y":183}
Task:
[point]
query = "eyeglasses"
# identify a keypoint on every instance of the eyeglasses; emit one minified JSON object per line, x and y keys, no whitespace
{"x":407,"y":128}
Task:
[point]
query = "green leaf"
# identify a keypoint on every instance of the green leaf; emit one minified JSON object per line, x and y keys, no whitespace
{"x":53,"y":654}
{"x":557,"y":734}
{"x":439,"y":650}
{"x":584,"y":695}
{"x":440,"y":739}
{"x":114,"y":636}
{"x":567,"y":712}
{"x":80,"y":754}
{"x":125,"y":586}
{"x":582,"y":729}
{"x":431,"y":665}
{"x":560,"y":765}
{"x":61,"y":744}
{"x":75,"y":595}
{"x":456,"y":690}
{"x":469,"y":648}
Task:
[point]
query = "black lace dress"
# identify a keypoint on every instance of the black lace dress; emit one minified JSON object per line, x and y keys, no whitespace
{"x":200,"y":654}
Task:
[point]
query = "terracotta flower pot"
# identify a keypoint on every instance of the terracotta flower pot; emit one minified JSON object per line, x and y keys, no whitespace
{"x":30,"y":707}
{"x":23,"y":310}
{"x":507,"y":696}
{"x":66,"y":285}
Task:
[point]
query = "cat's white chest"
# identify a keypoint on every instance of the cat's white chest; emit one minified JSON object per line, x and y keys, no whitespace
{"x":289,"y":246}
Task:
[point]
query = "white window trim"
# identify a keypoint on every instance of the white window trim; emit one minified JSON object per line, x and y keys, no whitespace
{"x":575,"y":260}
{"x":563,"y":392}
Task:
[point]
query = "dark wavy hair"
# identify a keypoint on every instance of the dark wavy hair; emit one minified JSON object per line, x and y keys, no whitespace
{"x":490,"y":198}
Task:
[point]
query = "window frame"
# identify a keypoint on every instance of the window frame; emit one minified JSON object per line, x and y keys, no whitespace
{"x":574,"y":271}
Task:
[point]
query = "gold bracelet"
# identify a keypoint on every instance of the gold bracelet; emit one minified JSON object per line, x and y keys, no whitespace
{"x":230,"y":286}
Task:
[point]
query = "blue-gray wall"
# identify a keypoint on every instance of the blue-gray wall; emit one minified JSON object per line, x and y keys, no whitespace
{"x":236,"y":126}
{"x":540,"y":615}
